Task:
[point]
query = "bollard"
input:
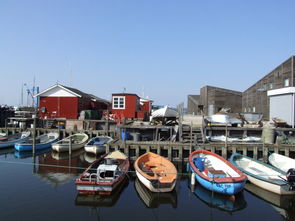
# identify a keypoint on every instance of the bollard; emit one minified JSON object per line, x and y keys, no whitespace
{"x":70,"y":146}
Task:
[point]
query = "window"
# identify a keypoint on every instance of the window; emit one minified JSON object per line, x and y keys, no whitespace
{"x":118,"y":102}
{"x":270,"y":86}
{"x":286,"y":82}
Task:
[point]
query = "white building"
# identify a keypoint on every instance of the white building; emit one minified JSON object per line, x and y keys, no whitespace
{"x":282,"y":104}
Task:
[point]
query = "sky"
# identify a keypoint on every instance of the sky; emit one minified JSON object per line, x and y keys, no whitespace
{"x":163,"y":50}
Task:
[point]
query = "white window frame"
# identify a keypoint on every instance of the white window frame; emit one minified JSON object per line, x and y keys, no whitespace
{"x":120,"y":104}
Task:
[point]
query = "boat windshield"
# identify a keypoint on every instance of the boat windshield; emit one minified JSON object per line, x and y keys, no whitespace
{"x":107,"y":174}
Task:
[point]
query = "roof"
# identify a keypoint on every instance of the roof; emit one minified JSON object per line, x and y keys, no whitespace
{"x":74,"y":92}
{"x":124,"y":94}
{"x":281,"y":91}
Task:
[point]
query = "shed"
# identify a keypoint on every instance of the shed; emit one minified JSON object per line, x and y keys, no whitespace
{"x":125,"y":105}
{"x":60,"y":101}
{"x":282,"y":104}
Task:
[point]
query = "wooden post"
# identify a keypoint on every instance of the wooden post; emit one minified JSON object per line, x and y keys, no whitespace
{"x":70,"y":146}
{"x":287,"y":151}
{"x":255,"y":152}
{"x":191,"y":136}
{"x":34,"y":135}
{"x":107,"y":123}
{"x":170,"y":152}
{"x":108,"y":149}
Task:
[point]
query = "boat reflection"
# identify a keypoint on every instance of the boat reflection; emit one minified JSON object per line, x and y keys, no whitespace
{"x":284,"y":204}
{"x":7,"y":151}
{"x":226,"y":203}
{"x":65,"y":155}
{"x":96,"y":200}
{"x":27,"y":154}
{"x":58,"y":169}
{"x":154,"y":200}
{"x":90,"y":157}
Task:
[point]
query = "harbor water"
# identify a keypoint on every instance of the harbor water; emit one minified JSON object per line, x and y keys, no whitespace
{"x":42,"y":188}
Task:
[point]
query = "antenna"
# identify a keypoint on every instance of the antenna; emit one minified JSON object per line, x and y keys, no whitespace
{"x":124,"y":90}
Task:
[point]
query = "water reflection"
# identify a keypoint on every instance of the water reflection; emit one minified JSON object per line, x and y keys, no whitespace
{"x":154,"y":200}
{"x":7,"y":151}
{"x":226,"y":203}
{"x":58,"y":169}
{"x":27,"y":154}
{"x":283,"y":204}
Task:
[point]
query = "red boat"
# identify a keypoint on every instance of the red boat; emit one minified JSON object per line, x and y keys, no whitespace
{"x":104,"y":175}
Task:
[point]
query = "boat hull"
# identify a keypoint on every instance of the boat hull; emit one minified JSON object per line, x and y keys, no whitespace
{"x":12,"y":143}
{"x":222,"y":188}
{"x":29,"y":147}
{"x":98,"y":187}
{"x":149,"y":185}
{"x":66,"y":147}
{"x":96,"y":149}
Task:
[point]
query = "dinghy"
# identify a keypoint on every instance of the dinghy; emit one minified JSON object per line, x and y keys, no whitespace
{"x":97,"y":145}
{"x":215,"y":173}
{"x":41,"y":142}
{"x":263,"y":175}
{"x":282,"y":162}
{"x":78,"y":141}
{"x":104,"y":175}
{"x":11,"y":140}
{"x":156,"y":172}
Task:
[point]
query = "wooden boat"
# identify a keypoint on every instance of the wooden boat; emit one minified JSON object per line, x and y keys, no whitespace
{"x":78,"y":141}
{"x":104,"y":175}
{"x":42,"y":142}
{"x":11,"y":140}
{"x":154,"y":200}
{"x":97,"y":145}
{"x":156,"y":172}
{"x":263,"y":175}
{"x":220,"y":201}
{"x":282,"y":162}
{"x":215,"y":173}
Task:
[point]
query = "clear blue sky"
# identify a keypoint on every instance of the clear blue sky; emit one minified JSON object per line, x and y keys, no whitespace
{"x":165,"y":49}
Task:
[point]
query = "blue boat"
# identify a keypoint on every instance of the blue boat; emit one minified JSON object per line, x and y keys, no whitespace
{"x":41,"y":142}
{"x":215,"y":173}
{"x":11,"y":140}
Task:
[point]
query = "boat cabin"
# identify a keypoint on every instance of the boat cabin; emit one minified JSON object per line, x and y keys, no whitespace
{"x":107,"y":172}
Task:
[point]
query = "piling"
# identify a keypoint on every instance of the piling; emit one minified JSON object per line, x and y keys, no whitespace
{"x":70,"y":146}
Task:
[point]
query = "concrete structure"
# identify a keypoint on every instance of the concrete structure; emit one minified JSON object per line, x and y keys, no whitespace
{"x":129,"y":106}
{"x":213,"y":99}
{"x":60,"y":101}
{"x":255,"y":99}
{"x":282,"y":104}
{"x":194,"y":106}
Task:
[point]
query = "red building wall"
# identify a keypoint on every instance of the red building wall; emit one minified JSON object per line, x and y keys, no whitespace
{"x":59,"y":107}
{"x":131,"y":106}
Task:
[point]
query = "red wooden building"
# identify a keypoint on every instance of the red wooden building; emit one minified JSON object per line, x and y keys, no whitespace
{"x":130,"y":106}
{"x":60,"y":101}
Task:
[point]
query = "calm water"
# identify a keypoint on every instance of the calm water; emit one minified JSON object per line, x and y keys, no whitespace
{"x":35,"y":191}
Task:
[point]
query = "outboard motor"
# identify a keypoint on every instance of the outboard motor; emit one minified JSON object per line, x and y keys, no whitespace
{"x":291,"y":178}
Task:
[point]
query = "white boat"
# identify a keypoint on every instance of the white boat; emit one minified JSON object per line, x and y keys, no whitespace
{"x":97,"y":145}
{"x":11,"y":140}
{"x":263,"y":175}
{"x":282,"y":162}
{"x":164,"y":112}
{"x":77,"y":140}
